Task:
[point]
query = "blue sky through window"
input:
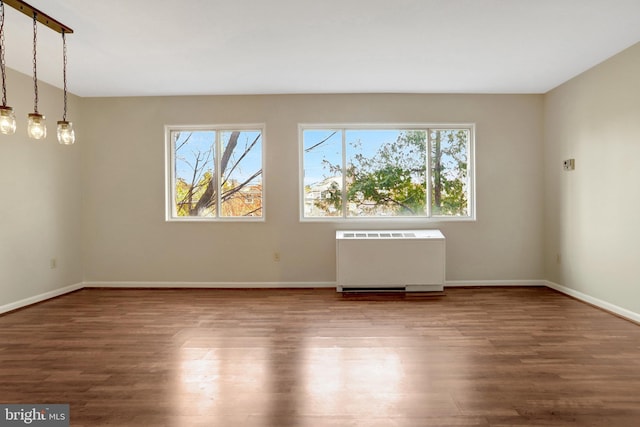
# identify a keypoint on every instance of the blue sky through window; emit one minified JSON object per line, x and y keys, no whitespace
{"x":365,"y":142}
{"x":198,"y":146}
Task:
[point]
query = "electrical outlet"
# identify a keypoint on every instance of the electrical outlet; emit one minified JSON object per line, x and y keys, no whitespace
{"x":558,"y":259}
{"x":53,"y":263}
{"x":276,"y":256}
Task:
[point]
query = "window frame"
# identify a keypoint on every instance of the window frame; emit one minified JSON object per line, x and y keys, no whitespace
{"x":170,"y":164}
{"x":428,"y":217}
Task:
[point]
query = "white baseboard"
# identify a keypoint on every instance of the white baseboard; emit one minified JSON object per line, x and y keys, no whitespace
{"x":622,"y":312}
{"x":292,"y":285}
{"x":467,"y":283}
{"x":39,"y":298}
{"x":210,"y":285}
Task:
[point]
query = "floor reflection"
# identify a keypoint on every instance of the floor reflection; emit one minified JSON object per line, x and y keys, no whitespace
{"x":351,"y":380}
{"x":222,"y":381}
{"x":280,"y":381}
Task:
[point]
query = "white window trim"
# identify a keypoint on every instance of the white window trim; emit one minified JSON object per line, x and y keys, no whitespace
{"x":390,"y":126}
{"x":170,"y":183}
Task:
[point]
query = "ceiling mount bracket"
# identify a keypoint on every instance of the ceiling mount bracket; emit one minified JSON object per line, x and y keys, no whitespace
{"x":42,"y":17}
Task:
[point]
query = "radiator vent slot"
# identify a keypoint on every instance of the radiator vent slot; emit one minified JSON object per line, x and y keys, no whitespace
{"x":397,"y":235}
{"x":372,"y":289}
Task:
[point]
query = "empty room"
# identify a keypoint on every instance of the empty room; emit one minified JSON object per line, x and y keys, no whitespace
{"x":333,"y":213}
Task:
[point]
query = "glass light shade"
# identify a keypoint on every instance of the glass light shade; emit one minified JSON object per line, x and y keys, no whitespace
{"x":36,"y":128}
{"x":66,"y":135}
{"x":7,"y":120}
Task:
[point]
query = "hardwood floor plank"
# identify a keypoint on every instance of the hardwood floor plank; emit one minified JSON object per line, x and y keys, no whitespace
{"x":313,"y":357}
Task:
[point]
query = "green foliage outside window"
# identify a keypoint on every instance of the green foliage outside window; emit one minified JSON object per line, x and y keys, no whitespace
{"x":389,"y":177}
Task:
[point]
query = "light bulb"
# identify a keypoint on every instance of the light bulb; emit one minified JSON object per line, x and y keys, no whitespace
{"x":66,"y":135}
{"x":7,"y":120}
{"x":36,"y":128}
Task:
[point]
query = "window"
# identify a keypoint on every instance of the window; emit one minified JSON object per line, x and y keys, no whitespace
{"x":417,"y":171}
{"x":215,"y":173}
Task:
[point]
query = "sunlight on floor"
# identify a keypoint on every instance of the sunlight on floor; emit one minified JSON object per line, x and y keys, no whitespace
{"x":365,"y":380}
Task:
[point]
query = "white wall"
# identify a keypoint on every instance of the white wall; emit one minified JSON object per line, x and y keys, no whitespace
{"x":40,"y":211}
{"x":98,"y":206}
{"x":591,"y":216}
{"x":126,"y":238}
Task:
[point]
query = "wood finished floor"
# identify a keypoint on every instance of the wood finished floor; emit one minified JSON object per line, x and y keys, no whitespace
{"x":474,"y":357}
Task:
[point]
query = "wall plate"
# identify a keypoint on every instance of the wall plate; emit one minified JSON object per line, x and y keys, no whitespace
{"x":569,"y":164}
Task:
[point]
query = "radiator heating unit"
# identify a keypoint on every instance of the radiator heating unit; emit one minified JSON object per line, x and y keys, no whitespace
{"x":390,"y":260}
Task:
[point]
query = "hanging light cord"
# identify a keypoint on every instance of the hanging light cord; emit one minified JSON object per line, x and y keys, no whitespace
{"x":2,"y":63}
{"x":64,"y":73}
{"x":35,"y":68}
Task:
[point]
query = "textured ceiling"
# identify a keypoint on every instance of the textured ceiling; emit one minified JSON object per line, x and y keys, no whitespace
{"x":160,"y":47}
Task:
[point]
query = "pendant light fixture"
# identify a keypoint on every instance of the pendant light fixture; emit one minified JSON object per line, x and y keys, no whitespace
{"x":66,"y":135}
{"x":7,"y":116}
{"x":36,"y":128}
